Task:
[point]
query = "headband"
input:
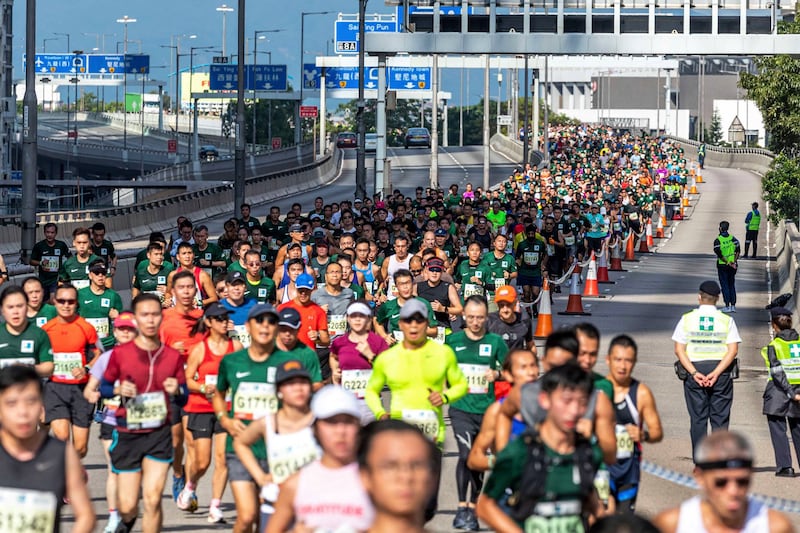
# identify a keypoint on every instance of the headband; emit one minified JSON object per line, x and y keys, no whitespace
{"x":726,"y":464}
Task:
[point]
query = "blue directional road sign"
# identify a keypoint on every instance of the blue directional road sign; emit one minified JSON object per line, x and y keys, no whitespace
{"x":90,"y":64}
{"x":346,"y":33}
{"x":59,"y":63}
{"x":258,"y":77}
{"x":409,"y":78}
{"x":311,"y":76}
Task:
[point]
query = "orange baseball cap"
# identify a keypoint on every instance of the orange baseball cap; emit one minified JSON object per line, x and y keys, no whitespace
{"x":506,"y":293}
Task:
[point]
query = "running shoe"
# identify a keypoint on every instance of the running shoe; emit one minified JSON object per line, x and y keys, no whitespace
{"x":471,"y":520}
{"x":460,"y":521}
{"x":177,"y":486}
{"x":111,"y":527}
{"x":215,"y":516}
{"x":187,"y":501}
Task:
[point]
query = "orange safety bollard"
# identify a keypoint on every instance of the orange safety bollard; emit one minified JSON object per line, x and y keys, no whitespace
{"x":575,"y":303}
{"x":590,"y":288}
{"x":649,"y":233}
{"x":544,"y":324}
{"x":602,"y":269}
{"x":660,"y":229}
{"x":693,"y":189}
{"x":643,"y":249}
{"x":629,"y":253}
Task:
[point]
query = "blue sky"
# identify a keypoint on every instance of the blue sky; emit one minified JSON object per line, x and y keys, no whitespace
{"x":159,"y":20}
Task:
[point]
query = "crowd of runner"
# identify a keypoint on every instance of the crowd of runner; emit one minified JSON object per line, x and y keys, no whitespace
{"x":266,"y":355}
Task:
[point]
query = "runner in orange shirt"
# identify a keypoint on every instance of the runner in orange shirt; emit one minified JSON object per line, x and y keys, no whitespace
{"x":75,"y":349}
{"x":313,"y":330}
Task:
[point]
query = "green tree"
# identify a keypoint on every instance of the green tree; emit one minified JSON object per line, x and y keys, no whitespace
{"x":781,"y":186}
{"x":776,"y":91}
{"x":714,"y":135}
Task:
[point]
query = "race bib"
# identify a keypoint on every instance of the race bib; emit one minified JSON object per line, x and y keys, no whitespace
{"x":64,"y":363}
{"x":554,"y":524}
{"x":273,"y":244}
{"x":476,"y":378}
{"x":551,"y":250}
{"x":50,"y":263}
{"x":80,"y":283}
{"x":356,"y":381}
{"x":440,"y":335}
{"x":289,"y":453}
{"x":254,"y":400}
{"x":624,"y":442}
{"x":101,"y":326}
{"x":499,"y":282}
{"x":146,"y":411}
{"x":426,"y":420}
{"x":398,"y":336}
{"x":240,"y":333}
{"x":602,"y":483}
{"x":27,"y":511}
{"x":211,"y":379}
{"x":337,"y":325}
{"x":530,"y":258}
{"x":569,"y":240}
{"x":472,"y":289}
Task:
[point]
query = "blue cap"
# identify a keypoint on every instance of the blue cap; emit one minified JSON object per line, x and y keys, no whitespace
{"x":441,"y":232}
{"x":305,"y":281}
{"x":261,"y":309}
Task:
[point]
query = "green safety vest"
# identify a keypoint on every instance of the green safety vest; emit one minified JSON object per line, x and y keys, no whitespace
{"x":788,"y":354}
{"x":707,"y":335}
{"x":727,"y":248}
{"x":755,"y":221}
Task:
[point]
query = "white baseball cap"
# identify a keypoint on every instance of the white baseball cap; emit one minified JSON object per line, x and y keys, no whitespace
{"x":332,"y":400}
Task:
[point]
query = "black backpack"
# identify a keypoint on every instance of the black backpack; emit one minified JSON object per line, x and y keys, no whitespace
{"x":537,"y":466}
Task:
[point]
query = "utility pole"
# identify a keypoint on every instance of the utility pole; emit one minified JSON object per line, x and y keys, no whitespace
{"x":239,"y":182}
{"x":29,"y":134}
{"x":361,"y":156}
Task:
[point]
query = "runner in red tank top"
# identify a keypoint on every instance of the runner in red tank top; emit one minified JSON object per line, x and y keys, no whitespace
{"x":201,"y":378}
{"x":205,"y":286}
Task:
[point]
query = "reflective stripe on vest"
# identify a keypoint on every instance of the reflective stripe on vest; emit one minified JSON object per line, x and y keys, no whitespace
{"x":788,"y":355}
{"x":727,"y":248}
{"x":755,"y":221}
{"x":706,"y":334}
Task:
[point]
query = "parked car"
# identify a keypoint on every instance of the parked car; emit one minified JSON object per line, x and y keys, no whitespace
{"x":346,"y":139}
{"x":371,"y":142}
{"x":208,"y":153}
{"x":418,"y":137}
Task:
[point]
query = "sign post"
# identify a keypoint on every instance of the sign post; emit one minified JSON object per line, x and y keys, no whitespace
{"x":276,"y":143}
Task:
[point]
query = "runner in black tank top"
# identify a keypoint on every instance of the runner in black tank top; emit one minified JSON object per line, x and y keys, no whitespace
{"x":39,"y":471}
{"x":625,"y":473}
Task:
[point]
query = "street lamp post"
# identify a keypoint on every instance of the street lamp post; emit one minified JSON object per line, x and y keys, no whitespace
{"x":255,"y":62}
{"x":239,"y":184}
{"x":44,"y":42}
{"x":125,"y":20}
{"x":30,"y":121}
{"x":224,"y":9}
{"x":361,"y":155}
{"x":193,"y":105}
{"x":298,"y":128}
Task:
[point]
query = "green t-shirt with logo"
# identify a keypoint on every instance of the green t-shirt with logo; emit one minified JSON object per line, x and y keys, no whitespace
{"x":46,"y":313}
{"x":105,"y":250}
{"x":251,"y":385}
{"x":50,"y":259}
{"x":497,"y":268}
{"x":531,"y":254}
{"x":30,"y":347}
{"x":389,"y":315}
{"x":263,"y":290}
{"x":76,"y":272}
{"x":464,"y":275}
{"x":474,"y":358}
{"x":149,"y":283}
{"x":212,"y":253}
{"x":95,"y":309}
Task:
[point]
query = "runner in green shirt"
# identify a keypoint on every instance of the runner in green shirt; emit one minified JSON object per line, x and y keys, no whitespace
{"x":387,"y":319}
{"x":532,"y":261}
{"x":207,"y":255}
{"x":21,"y":341}
{"x":76,"y":268}
{"x":472,"y":275}
{"x":48,"y":255}
{"x":501,"y":266}
{"x":568,"y":496}
{"x":38,"y":311}
{"x":257,"y":286}
{"x":151,"y":276}
{"x":99,"y":305}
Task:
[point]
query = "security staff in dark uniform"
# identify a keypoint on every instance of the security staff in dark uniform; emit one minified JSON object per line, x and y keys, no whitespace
{"x":752,"y":222}
{"x":727,"y":250}
{"x":706,"y":343}
{"x":782,"y":395}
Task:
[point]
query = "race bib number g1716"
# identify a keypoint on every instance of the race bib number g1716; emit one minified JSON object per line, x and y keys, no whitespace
{"x":254,"y":400}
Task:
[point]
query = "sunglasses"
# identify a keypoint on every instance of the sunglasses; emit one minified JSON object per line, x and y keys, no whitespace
{"x":269,"y":319}
{"x":66,"y":301}
{"x":741,"y":482}
{"x":98,"y":272}
{"x":416,"y":319}
{"x":416,"y":272}
{"x":222,"y":318}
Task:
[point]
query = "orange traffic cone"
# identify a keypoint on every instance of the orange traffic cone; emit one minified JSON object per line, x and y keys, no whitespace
{"x":616,"y":258}
{"x":575,"y":303}
{"x":629,"y":254}
{"x":694,"y":187}
{"x":663,"y":214}
{"x":699,"y":175}
{"x":643,"y":249}
{"x":602,"y":269}
{"x":685,"y":202}
{"x":649,"y":233}
{"x":660,"y":229}
{"x":590,"y":289}
{"x":544,"y":324}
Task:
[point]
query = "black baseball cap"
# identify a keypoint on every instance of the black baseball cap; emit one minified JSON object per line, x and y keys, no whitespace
{"x":710,"y":287}
{"x":289,"y":370}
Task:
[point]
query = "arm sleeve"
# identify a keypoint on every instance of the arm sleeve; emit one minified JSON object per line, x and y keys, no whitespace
{"x":372,"y":395}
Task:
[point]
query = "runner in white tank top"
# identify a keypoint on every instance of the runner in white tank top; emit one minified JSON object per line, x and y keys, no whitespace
{"x":393,"y":266}
{"x":690,"y":519}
